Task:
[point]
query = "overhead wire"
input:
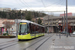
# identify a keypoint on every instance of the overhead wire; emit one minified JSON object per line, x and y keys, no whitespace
{"x":53,"y":3}
{"x":23,"y":3}
{"x":13,"y":5}
{"x":26,"y":3}
{"x":19,"y":3}
{"x":43,"y":3}
{"x":61,"y":3}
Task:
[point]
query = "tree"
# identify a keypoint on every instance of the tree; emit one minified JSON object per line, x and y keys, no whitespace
{"x":28,"y":16}
{"x":7,"y":25}
{"x":39,"y":21}
{"x":14,"y":14}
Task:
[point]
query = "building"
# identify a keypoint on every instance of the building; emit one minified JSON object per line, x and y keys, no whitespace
{"x":36,"y":19}
{"x":3,"y":22}
{"x":52,"y":23}
{"x":5,"y":9}
{"x":69,"y":14}
{"x":40,"y":18}
{"x":1,"y":25}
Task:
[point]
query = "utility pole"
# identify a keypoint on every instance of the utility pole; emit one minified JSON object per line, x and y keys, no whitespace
{"x":16,"y":25}
{"x":66,"y":20}
{"x":48,"y":24}
{"x":73,"y":27}
{"x":62,"y":23}
{"x":21,"y":14}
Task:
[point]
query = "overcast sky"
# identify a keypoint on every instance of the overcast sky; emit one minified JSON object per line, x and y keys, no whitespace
{"x":39,"y":5}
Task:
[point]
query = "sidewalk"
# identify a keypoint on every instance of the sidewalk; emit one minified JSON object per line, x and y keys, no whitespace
{"x":57,"y":43}
{"x":64,"y":43}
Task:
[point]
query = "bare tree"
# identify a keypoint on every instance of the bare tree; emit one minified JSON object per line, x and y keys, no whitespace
{"x":7,"y":25}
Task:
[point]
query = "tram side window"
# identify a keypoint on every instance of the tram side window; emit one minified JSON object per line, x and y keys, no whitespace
{"x":43,"y":30}
{"x":40,"y":29}
{"x":28,"y":30}
{"x":37,"y":29}
{"x":32,"y":28}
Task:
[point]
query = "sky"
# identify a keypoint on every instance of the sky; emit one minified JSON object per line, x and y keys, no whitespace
{"x":39,"y":5}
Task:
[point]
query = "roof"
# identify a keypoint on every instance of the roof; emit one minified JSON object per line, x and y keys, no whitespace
{"x":55,"y":17}
{"x":28,"y":22}
{"x":10,"y":21}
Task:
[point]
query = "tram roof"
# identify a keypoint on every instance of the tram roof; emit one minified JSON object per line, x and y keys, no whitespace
{"x":29,"y":22}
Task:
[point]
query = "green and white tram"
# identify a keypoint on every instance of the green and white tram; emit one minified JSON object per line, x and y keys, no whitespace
{"x":30,"y":30}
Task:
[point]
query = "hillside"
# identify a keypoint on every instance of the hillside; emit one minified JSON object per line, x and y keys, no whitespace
{"x":18,"y":14}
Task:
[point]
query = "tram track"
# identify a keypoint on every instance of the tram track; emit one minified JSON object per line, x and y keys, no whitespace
{"x":7,"y":43}
{"x":11,"y":44}
{"x":37,"y":42}
{"x":34,"y":43}
{"x":15,"y":43}
{"x":43,"y":43}
{"x":8,"y":46}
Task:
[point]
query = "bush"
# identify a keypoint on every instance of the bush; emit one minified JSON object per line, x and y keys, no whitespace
{"x":5,"y":34}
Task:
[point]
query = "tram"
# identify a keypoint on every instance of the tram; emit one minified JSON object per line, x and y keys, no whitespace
{"x":30,"y":30}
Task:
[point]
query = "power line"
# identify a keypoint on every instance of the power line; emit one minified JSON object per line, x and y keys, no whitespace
{"x":43,"y":3}
{"x":26,"y":3}
{"x":19,"y":4}
{"x":55,"y":3}
{"x":14,"y":6}
{"x":23,"y":3}
{"x":59,"y":3}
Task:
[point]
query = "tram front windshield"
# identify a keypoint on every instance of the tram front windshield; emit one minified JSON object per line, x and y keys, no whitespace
{"x":23,"y":28}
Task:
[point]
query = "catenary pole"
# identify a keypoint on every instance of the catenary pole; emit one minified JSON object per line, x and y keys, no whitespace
{"x":66,"y":19}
